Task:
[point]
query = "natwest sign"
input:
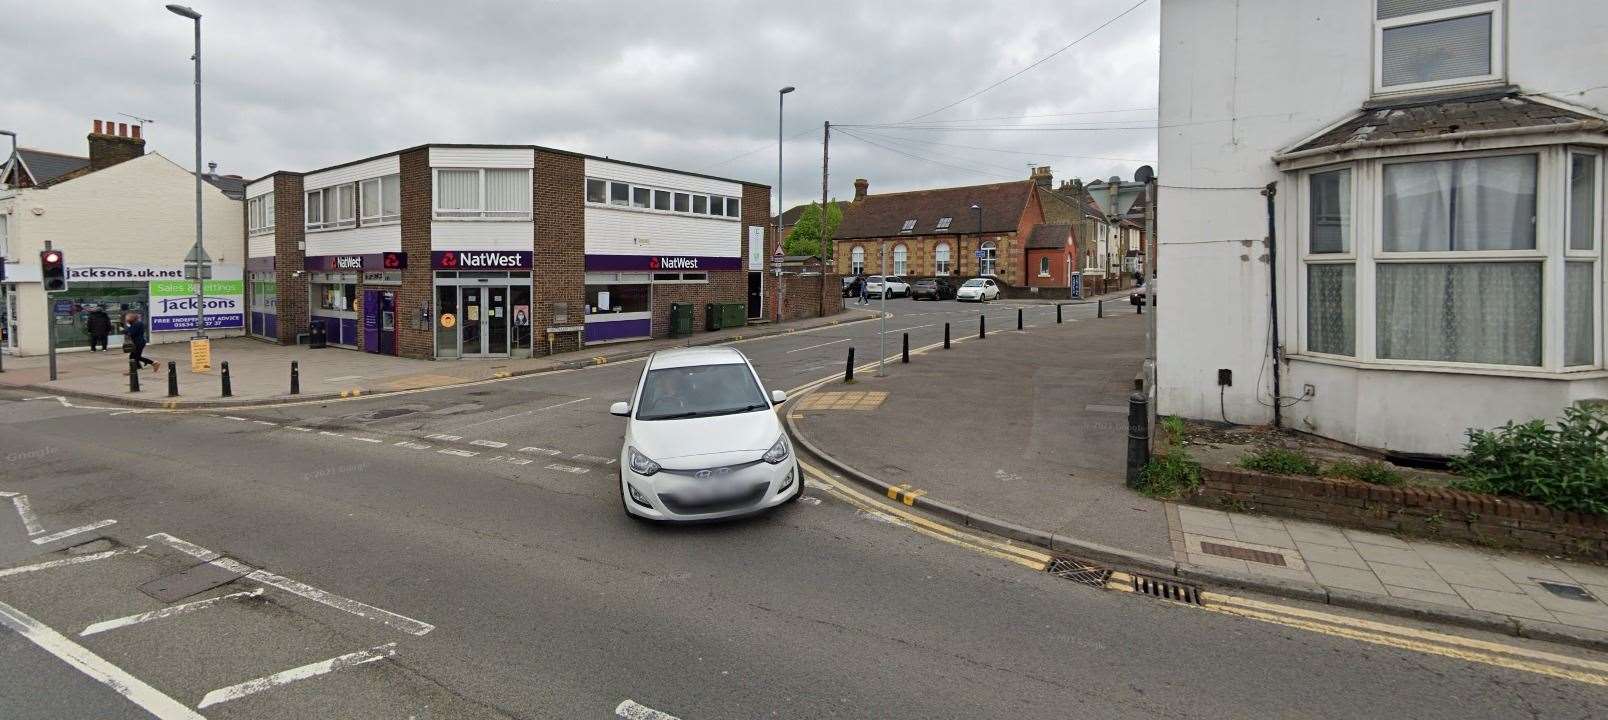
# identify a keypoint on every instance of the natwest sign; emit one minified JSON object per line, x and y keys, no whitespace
{"x":480,"y":260}
{"x":618,"y":263}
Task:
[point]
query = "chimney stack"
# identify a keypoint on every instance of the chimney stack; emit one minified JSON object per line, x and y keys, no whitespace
{"x":1041,"y":176}
{"x":212,"y":169}
{"x":111,"y":143}
{"x":861,"y":185}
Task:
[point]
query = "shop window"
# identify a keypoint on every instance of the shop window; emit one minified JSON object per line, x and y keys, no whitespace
{"x":337,"y":296}
{"x":630,"y":298}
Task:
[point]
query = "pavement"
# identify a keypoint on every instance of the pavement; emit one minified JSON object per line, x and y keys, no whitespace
{"x":460,"y":552}
{"x":1023,"y":434}
{"x":259,"y":372}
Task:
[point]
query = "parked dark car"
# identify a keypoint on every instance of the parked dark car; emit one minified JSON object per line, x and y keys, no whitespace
{"x":932,"y":288}
{"x":851,"y":286}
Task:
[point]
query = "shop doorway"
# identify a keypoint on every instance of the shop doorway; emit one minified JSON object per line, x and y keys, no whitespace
{"x":756,"y":295}
{"x":485,"y":321}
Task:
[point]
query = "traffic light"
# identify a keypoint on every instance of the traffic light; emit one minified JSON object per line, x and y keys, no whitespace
{"x":53,"y":270}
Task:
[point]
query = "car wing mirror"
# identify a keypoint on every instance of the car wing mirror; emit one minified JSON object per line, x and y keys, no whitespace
{"x":778,"y":396}
{"x":621,"y":409}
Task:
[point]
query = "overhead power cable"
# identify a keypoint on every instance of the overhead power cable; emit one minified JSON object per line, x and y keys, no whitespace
{"x":761,"y":148}
{"x":1012,"y":152}
{"x":921,"y":158}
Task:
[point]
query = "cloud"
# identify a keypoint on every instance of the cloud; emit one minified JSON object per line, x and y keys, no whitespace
{"x":301,"y":85}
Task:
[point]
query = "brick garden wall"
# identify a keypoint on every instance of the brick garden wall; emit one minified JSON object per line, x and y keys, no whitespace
{"x":289,"y":232}
{"x":811,"y":296}
{"x":1422,"y":512}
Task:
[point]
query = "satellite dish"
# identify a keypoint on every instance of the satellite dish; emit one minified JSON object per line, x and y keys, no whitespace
{"x":1144,"y":174}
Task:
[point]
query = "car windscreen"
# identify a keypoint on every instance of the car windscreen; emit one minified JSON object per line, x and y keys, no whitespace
{"x":973,"y":283}
{"x":699,"y":391}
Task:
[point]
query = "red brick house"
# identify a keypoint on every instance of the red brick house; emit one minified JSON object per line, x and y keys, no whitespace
{"x":938,"y":233}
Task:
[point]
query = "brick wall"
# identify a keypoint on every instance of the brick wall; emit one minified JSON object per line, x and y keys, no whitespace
{"x":559,"y":274}
{"x":921,"y":262}
{"x":416,"y":339}
{"x":811,"y":296}
{"x":1424,"y":512}
{"x":289,"y":233}
{"x":724,"y":286}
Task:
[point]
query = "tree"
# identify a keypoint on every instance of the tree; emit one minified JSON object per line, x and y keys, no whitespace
{"x":806,"y":234}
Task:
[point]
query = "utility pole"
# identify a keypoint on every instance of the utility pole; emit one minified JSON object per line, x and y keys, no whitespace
{"x":781,"y":207}
{"x":826,"y":141}
{"x":882,"y":323}
{"x":1149,"y":240}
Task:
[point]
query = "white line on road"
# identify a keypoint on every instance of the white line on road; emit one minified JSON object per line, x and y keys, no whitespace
{"x":232,"y":417}
{"x":511,"y":460}
{"x":283,"y":677}
{"x":300,"y":429}
{"x":265,"y":422}
{"x":368,"y":440}
{"x":88,"y":663}
{"x":331,"y":434}
{"x":459,"y":453}
{"x":631,"y":710}
{"x":568,"y":468}
{"x":439,"y":436}
{"x":412,"y":445}
{"x":68,"y":561}
{"x":166,"y":612}
{"x":913,"y":327}
{"x":364,"y":610}
{"x":542,"y":451}
{"x":527,"y":412}
{"x":822,"y":345}
{"x":488,"y":443}
{"x":590,"y":458}
{"x":25,"y":511}
{"x":62,"y":534}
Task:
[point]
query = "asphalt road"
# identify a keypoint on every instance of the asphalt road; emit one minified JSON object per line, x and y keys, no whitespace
{"x":463,"y":551}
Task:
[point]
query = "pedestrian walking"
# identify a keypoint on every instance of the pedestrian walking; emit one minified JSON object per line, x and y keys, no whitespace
{"x":135,"y":337}
{"x":99,"y":326}
{"x":864,"y":299}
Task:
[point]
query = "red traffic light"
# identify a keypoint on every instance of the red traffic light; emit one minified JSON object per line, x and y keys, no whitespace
{"x":52,"y":257}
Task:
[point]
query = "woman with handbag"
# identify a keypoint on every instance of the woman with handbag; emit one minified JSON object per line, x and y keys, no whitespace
{"x":135,"y":337}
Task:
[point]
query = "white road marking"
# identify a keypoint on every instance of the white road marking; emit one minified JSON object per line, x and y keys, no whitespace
{"x":439,"y":436}
{"x":542,"y":451}
{"x":527,"y":412}
{"x":459,"y":453}
{"x":25,"y":511}
{"x":590,"y":458}
{"x":568,"y":468}
{"x":300,"y":429}
{"x":68,"y":561}
{"x":511,"y":460}
{"x":631,"y":710}
{"x":368,"y":440}
{"x":63,"y":534}
{"x":331,"y":434}
{"x":360,"y":609}
{"x":265,"y":422}
{"x":231,"y":417}
{"x":488,"y":443}
{"x":88,"y":663}
{"x":412,"y":445}
{"x":283,"y":677}
{"x":166,"y":612}
{"x":913,"y":327}
{"x":822,"y":345}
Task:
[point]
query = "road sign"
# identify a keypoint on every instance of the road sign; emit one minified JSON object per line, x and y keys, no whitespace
{"x":982,"y":254}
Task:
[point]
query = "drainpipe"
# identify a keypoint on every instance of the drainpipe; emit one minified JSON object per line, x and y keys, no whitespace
{"x":1273,"y":302}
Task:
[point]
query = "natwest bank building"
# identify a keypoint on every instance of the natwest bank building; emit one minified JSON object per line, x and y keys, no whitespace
{"x":465,"y":251}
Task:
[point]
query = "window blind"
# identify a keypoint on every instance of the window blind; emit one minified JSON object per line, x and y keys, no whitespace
{"x":1397,"y":8}
{"x":1439,"y":50}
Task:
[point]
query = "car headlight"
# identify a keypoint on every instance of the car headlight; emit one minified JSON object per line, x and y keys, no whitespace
{"x":640,"y":464}
{"x":777,"y":453}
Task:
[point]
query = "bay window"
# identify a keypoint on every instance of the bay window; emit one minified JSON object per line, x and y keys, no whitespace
{"x":482,"y":194}
{"x":1469,"y":259}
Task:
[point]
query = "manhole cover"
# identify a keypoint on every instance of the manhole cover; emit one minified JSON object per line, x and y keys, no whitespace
{"x":1565,"y":590}
{"x":187,"y":582}
{"x":1240,"y":553}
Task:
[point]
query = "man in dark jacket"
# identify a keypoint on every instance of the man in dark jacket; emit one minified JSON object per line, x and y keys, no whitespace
{"x":99,"y":325}
{"x":134,"y":330}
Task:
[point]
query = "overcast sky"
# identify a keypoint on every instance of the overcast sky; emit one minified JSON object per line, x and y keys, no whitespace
{"x":301,"y":85}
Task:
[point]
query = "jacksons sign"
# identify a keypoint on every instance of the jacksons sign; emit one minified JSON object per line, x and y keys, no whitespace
{"x":661,"y":262}
{"x":173,"y":304}
{"x":480,"y":259}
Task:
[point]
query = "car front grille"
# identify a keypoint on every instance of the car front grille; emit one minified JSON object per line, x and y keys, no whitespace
{"x":681,"y":506}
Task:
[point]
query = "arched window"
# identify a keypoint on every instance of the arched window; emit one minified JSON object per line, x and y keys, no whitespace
{"x":940,"y":259}
{"x":1044,"y":267}
{"x":901,"y":257}
{"x":857,"y":261}
{"x":990,"y":257}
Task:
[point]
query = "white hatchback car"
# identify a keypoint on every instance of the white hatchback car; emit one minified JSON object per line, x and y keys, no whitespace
{"x":702,"y":440}
{"x":979,"y":289}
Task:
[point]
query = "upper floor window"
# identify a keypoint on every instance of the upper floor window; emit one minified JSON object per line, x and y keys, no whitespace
{"x":1424,"y":44}
{"x":332,"y":207}
{"x":260,"y":214}
{"x":380,"y":199}
{"x":482,"y":194}
{"x":908,"y":226}
{"x":943,"y":223}
{"x":624,"y":194}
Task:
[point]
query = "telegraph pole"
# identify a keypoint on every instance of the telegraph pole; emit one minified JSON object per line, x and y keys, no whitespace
{"x":826,"y":141}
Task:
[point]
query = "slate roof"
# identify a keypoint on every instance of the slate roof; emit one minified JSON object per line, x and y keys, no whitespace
{"x":1428,"y":119}
{"x":1061,"y":207}
{"x":1049,"y":237}
{"x":883,"y":215}
{"x":233,"y":186}
{"x":47,"y":166}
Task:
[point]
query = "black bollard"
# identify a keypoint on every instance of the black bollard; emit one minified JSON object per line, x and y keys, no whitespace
{"x":1099,"y":308}
{"x":848,"y":371}
{"x":904,"y":357}
{"x":982,"y":326}
{"x":295,"y":378}
{"x":227,"y":392}
{"x":1058,"y":313}
{"x":1138,"y":438}
{"x":1141,"y":306}
{"x":1018,"y":318}
{"x":133,"y":375}
{"x":946,"y":336}
{"x":173,"y":379}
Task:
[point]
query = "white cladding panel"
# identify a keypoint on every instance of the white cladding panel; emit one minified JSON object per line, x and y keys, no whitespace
{"x":388,"y":165}
{"x":624,"y":232}
{"x":470,"y":235}
{"x":260,"y":245}
{"x":482,"y":157}
{"x":659,"y":178}
{"x":356,"y":241}
{"x":259,"y":188}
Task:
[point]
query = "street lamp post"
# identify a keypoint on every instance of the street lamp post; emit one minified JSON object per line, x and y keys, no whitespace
{"x":781,"y":288}
{"x":200,"y":253}
{"x":978,"y":208}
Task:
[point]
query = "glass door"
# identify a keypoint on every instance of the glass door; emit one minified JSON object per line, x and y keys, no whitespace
{"x":496,"y":321}
{"x":473,"y":316}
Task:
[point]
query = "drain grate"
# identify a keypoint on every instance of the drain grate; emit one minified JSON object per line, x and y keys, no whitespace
{"x":1166,"y":589}
{"x":1241,"y":553}
{"x":1565,"y":590}
{"x":1079,"y":572}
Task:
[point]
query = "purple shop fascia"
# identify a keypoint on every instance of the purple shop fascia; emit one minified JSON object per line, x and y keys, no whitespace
{"x":660,"y":263}
{"x":488,"y":260}
{"x":356,"y":263}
